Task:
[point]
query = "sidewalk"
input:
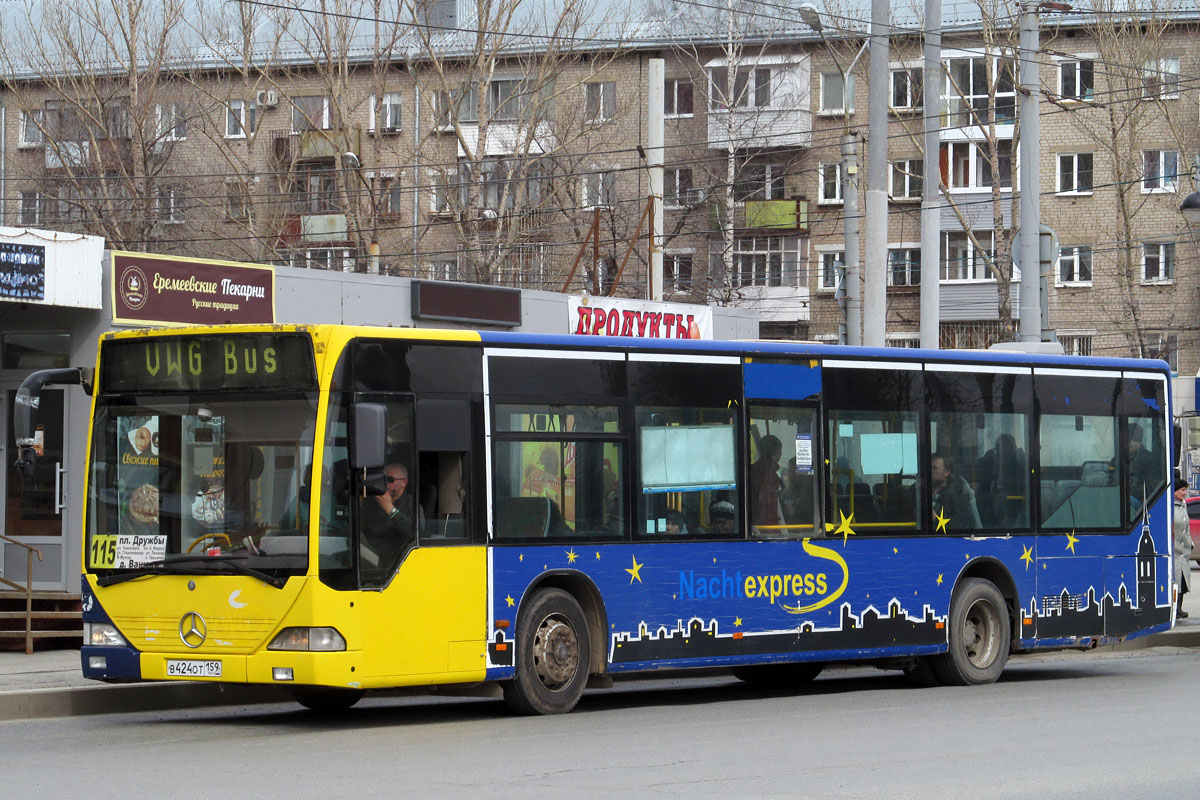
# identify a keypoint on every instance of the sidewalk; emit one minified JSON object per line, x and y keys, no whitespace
{"x":51,"y":683}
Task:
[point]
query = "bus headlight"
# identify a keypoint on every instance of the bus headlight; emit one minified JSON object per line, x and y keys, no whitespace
{"x":325,"y":640}
{"x":103,"y":634}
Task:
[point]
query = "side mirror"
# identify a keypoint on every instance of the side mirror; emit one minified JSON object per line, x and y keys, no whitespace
{"x":1176,"y":443}
{"x":26,"y":402}
{"x":367,"y":451}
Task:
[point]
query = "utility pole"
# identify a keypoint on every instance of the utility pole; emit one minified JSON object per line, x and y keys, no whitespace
{"x":931,"y":244}
{"x":850,"y":228}
{"x":654,"y":163}
{"x":875,"y":300}
{"x":1030,"y":205}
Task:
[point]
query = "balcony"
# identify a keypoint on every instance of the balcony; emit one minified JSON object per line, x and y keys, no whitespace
{"x":288,"y":147}
{"x":765,"y":216}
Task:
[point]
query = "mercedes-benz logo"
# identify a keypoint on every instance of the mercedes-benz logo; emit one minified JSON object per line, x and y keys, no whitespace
{"x":192,"y":629}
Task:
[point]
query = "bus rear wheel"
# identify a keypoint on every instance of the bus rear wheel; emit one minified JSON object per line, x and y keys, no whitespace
{"x":326,"y":701}
{"x":980,"y":635}
{"x":553,"y":654}
{"x":778,"y":676}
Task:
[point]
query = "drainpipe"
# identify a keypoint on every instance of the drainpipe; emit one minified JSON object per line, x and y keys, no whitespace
{"x":3,"y":160}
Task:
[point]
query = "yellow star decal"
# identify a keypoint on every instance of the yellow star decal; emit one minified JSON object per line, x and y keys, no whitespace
{"x":633,"y":573}
{"x":1027,"y":556}
{"x":571,"y":556}
{"x":844,"y":528}
{"x":895,"y":549}
{"x":941,"y":521}
{"x":597,"y":555}
{"x":509,"y":600}
{"x":1071,"y":540}
{"x":939,"y":579}
{"x":521,"y":557}
{"x":737,"y":623}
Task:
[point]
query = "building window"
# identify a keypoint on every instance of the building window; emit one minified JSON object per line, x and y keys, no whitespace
{"x":444,"y":271}
{"x":677,"y":187}
{"x":460,"y":105}
{"x":171,"y":121}
{"x":677,"y":272}
{"x":1075,"y":344}
{"x":388,"y":114}
{"x":827,"y":275}
{"x":1075,"y":266}
{"x":237,"y":200}
{"x":1160,"y":169}
{"x":907,"y":88}
{"x":599,"y":189}
{"x":1164,"y":346}
{"x":1076,"y":79}
{"x":970,"y":335}
{"x":829,"y":179}
{"x":338,"y":259}
{"x":1160,"y":79}
{"x":239,"y":119}
{"x":962,"y":260}
{"x":904,"y":266}
{"x":314,"y":190}
{"x":600,"y":100}
{"x":31,"y":129}
{"x":310,"y":113}
{"x":912,"y":340}
{"x":966,"y":166}
{"x":30,"y":211}
{"x":1074,"y":173}
{"x":764,"y":261}
{"x":170,"y":205}
{"x":968,"y":97}
{"x":751,"y":88}
{"x":758,"y":181}
{"x":837,"y":93}
{"x":1158,"y":262}
{"x":392,"y":194}
{"x":508,"y":99}
{"x":678,"y":99}
{"x":907,"y":179}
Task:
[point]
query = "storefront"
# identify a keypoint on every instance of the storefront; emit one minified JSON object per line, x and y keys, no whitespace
{"x":59,"y":292}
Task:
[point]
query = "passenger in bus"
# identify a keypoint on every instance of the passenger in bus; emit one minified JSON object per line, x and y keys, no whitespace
{"x":388,"y":521}
{"x":676,"y":524}
{"x":952,"y":498}
{"x":1002,"y":473}
{"x":797,"y":497}
{"x":766,"y":484}
{"x":721,"y":516}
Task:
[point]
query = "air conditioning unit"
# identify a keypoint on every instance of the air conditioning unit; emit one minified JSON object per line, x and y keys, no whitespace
{"x":266,"y":98}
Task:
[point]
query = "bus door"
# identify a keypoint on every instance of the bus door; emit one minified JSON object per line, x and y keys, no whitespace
{"x":33,"y":508}
{"x":783,"y":446}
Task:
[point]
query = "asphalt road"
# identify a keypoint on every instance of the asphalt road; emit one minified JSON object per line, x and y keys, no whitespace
{"x":1062,"y":726}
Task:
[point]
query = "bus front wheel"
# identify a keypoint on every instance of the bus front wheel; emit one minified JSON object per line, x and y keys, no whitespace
{"x":980,"y":635}
{"x":553,"y":653}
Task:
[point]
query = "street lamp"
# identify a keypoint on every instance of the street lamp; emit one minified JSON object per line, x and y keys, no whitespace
{"x":350,"y":161}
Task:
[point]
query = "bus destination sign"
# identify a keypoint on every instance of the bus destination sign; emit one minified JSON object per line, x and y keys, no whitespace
{"x":261,"y":361}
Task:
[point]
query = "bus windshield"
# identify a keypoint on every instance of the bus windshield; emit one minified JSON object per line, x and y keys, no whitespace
{"x":201,"y":481}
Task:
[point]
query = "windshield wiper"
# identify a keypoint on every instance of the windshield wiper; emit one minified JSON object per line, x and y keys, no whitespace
{"x":173,"y":566}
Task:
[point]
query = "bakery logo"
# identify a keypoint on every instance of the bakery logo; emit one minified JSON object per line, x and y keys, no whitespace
{"x":135,"y":289}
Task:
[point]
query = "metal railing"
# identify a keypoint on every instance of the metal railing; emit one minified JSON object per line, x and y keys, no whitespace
{"x":27,"y":588}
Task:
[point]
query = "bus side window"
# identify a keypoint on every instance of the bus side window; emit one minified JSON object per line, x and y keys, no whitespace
{"x":782,"y":487}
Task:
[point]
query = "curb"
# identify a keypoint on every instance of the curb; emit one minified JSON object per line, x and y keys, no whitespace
{"x":129,"y":698}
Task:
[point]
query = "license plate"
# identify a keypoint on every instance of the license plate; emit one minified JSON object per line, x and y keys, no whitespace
{"x":180,"y":668}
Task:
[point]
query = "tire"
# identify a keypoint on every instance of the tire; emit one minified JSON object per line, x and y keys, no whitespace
{"x":326,"y":701}
{"x":922,"y":673}
{"x":553,"y":655}
{"x":778,"y":676}
{"x":980,"y":635}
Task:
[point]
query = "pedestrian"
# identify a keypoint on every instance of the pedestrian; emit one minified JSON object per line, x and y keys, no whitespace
{"x":1183,"y":544}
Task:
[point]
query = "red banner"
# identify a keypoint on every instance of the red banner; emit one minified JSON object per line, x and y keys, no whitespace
{"x":192,"y":291}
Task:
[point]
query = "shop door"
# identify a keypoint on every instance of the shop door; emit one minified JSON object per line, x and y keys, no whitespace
{"x":33,"y":509}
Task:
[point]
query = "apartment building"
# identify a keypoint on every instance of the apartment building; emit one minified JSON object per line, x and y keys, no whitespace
{"x":429,"y":155}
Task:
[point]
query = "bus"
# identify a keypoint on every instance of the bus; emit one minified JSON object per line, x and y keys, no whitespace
{"x":339,"y":509}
